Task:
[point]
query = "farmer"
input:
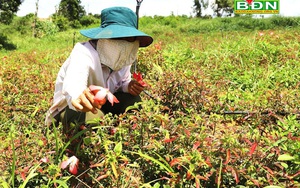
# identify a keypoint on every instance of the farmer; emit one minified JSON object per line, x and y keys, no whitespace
{"x":104,"y":60}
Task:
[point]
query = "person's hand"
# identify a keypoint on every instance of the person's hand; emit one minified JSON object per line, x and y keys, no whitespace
{"x":134,"y":88}
{"x":85,"y":102}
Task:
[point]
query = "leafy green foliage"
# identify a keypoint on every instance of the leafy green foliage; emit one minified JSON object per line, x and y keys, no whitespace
{"x":5,"y":43}
{"x":179,"y":136}
{"x":7,"y":10}
{"x":224,"y":5}
{"x":220,"y":7}
{"x":22,"y":25}
{"x":71,"y":9}
{"x":61,"y":22}
{"x":71,"y":14}
{"x":44,"y":28}
{"x":89,"y":20}
{"x":193,"y":26}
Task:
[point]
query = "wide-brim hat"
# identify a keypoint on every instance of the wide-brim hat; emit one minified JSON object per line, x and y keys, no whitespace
{"x":118,"y":22}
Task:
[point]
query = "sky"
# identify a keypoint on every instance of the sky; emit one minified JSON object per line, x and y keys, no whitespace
{"x":148,"y":7}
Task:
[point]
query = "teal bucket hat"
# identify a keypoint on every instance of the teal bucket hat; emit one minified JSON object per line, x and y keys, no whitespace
{"x":118,"y":22}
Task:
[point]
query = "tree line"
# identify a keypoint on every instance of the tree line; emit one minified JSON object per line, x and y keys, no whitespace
{"x":72,"y":10}
{"x":219,"y":7}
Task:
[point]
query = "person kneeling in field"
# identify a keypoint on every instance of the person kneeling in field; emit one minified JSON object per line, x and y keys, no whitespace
{"x":98,"y":69}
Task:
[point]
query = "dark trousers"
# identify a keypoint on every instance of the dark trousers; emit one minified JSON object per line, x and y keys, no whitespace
{"x":126,"y":99}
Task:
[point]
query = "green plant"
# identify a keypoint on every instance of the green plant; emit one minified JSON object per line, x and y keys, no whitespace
{"x":45,"y":28}
{"x":179,"y":135}
{"x":62,"y":22}
{"x":88,"y":20}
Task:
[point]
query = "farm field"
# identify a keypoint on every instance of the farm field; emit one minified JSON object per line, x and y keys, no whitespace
{"x":222,"y":110}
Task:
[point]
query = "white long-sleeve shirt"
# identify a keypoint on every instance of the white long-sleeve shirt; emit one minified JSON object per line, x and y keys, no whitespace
{"x":80,"y":70}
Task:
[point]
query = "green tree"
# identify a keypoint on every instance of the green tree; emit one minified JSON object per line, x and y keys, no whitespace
{"x":7,"y":10}
{"x":71,"y":9}
{"x":222,"y":7}
{"x":199,"y":5}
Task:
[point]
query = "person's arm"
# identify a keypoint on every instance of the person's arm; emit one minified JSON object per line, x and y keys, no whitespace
{"x":126,"y":78}
{"x":75,"y":87}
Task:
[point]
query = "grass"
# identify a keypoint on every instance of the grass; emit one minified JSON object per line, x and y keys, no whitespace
{"x":196,"y":71}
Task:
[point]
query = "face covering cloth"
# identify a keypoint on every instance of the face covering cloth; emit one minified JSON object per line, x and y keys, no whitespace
{"x":117,"y":54}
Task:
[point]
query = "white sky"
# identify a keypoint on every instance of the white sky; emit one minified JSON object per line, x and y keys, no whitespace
{"x":148,"y":7}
